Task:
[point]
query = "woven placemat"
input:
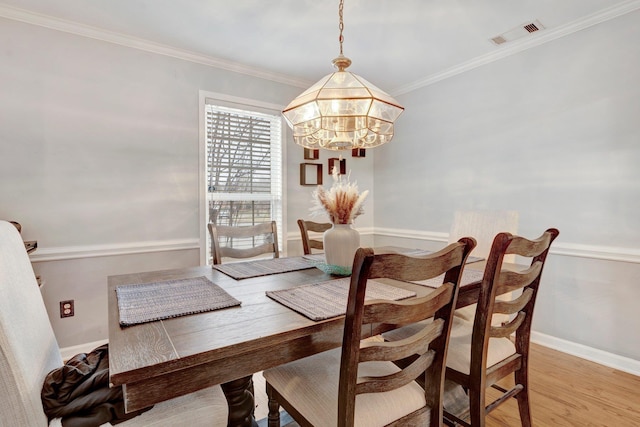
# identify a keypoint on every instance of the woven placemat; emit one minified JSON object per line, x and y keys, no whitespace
{"x":468,"y":276}
{"x":263,"y":267}
{"x":324,"y":300}
{"x":147,"y":302}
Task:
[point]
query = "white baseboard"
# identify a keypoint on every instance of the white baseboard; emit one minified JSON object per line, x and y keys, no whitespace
{"x":68,"y":352}
{"x":601,"y":357}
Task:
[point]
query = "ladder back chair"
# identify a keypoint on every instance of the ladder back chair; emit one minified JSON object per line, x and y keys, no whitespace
{"x":253,"y":240}
{"x":29,"y":351}
{"x":309,"y":243}
{"x":358,"y":384}
{"x":480,"y":354}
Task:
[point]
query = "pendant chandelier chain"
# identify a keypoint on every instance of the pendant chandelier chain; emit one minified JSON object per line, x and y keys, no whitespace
{"x":341,"y":26}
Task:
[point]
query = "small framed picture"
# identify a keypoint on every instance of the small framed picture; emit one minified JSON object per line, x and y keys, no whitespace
{"x":310,"y":173}
{"x":311,"y":154}
{"x":341,"y":164}
{"x":358,"y":152}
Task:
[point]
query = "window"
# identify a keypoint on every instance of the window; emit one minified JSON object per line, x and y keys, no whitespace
{"x":243,"y":167}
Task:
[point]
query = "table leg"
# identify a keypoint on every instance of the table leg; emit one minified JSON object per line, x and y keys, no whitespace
{"x":239,"y":394}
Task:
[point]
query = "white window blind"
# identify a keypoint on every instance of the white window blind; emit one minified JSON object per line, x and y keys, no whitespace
{"x":244,"y":168}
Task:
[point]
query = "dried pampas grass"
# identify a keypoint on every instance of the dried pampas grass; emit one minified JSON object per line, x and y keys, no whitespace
{"x":341,"y":202}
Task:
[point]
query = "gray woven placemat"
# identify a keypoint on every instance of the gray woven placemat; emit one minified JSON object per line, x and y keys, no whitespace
{"x":324,"y":300}
{"x":147,"y":302}
{"x":263,"y":267}
{"x":468,"y":276}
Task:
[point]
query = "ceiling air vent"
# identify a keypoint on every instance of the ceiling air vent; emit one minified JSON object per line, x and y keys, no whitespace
{"x":517,"y":32}
{"x":531,"y":27}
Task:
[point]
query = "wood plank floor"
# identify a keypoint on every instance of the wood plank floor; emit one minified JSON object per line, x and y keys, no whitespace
{"x":569,"y":391}
{"x":565,"y":391}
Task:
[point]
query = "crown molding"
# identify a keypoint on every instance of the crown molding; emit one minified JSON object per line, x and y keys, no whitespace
{"x":82,"y":30}
{"x":523,"y":44}
{"x":504,"y":51}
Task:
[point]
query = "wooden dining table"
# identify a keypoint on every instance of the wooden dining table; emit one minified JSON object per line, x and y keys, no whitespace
{"x":164,"y":359}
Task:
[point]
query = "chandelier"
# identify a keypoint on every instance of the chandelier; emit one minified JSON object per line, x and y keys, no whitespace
{"x":342,"y":111}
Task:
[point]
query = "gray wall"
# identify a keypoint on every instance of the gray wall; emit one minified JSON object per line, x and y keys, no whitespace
{"x":99,"y":162}
{"x":551,"y":132}
{"x":100,"y":141}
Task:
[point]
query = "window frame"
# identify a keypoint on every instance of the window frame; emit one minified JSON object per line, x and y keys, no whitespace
{"x":247,"y":104}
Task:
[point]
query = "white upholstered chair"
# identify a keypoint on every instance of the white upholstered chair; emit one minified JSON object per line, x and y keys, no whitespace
{"x":29,"y":350}
{"x":483,"y":225}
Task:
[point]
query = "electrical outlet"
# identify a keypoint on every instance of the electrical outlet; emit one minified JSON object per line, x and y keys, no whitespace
{"x":66,"y":308}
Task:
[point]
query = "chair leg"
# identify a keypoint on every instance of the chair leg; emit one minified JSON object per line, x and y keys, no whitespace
{"x":451,"y":420}
{"x":273,"y":417}
{"x":521,"y":377}
{"x":476,"y":407}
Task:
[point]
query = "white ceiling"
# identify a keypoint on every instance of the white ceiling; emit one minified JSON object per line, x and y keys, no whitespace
{"x":395,"y":44}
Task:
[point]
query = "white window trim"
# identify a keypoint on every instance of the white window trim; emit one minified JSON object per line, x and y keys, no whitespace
{"x":202,"y":158}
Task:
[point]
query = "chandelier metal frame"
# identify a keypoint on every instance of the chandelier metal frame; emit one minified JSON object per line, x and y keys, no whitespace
{"x":342,"y":111}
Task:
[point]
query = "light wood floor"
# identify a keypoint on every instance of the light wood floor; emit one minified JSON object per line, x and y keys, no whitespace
{"x":565,"y":391}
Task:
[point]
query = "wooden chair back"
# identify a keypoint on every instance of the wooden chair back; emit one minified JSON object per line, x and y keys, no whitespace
{"x":499,"y":281}
{"x":309,"y":243}
{"x":254,"y":240}
{"x":429,"y":343}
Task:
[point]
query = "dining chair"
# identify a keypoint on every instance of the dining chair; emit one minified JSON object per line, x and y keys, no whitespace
{"x":358,"y":384}
{"x":480,"y":354}
{"x":243,"y":241}
{"x":309,"y":243}
{"x":482,"y":225}
{"x":29,"y":351}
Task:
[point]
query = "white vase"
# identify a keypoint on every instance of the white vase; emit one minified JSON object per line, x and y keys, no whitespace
{"x":341,"y":242}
